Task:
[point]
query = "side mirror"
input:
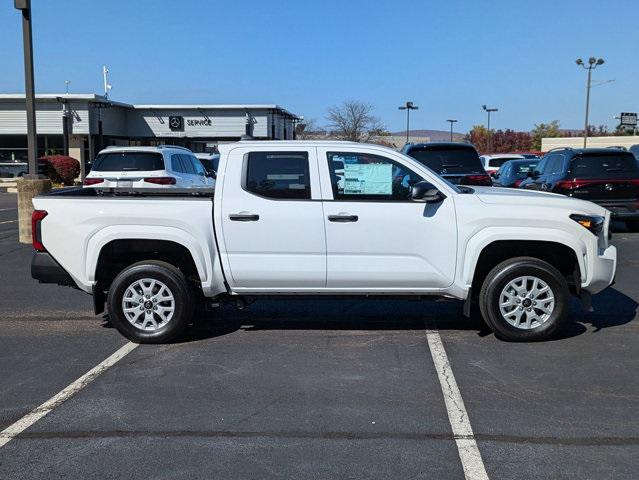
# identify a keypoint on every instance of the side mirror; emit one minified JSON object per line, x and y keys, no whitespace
{"x":532,"y":174}
{"x":495,"y":174}
{"x":211,"y":174}
{"x":426,"y":192}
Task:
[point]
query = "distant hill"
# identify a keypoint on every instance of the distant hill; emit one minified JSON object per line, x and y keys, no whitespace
{"x":434,"y":135}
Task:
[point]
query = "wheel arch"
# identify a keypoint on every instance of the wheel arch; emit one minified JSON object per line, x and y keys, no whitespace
{"x":487,"y":249}
{"x":158,"y":243}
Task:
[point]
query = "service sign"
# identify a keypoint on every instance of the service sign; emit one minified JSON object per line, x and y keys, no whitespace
{"x":629,"y":119}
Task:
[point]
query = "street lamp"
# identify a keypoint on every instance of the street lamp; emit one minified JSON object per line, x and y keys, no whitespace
{"x":29,"y":94}
{"x":592,"y":64}
{"x":451,"y":121}
{"x":488,"y":111}
{"x":408,"y":107}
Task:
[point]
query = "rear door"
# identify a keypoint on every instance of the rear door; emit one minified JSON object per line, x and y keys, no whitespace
{"x":377,"y":238}
{"x":272,"y":220}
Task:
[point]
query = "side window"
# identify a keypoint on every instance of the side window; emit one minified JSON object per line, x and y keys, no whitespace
{"x":199,"y":168}
{"x":176,"y":163}
{"x":363,"y":176}
{"x":283,"y":175}
{"x":188,"y":164}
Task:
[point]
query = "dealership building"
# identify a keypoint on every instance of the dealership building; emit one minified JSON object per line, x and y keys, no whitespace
{"x":93,"y":121}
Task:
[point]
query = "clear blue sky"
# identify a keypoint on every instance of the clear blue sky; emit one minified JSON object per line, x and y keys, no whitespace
{"x":449,"y":56}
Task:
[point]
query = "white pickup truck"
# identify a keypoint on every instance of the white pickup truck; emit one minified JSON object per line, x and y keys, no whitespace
{"x":323,"y":218}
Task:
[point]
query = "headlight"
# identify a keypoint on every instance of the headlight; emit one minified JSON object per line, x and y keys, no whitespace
{"x":594,"y":223}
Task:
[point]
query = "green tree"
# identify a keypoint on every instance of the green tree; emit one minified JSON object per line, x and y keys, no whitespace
{"x":544,"y":130}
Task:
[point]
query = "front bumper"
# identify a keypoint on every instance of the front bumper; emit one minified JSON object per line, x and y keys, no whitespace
{"x":602,"y":270}
{"x":45,"y":269}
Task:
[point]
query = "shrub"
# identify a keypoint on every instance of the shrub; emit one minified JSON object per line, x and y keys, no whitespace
{"x":60,"y":168}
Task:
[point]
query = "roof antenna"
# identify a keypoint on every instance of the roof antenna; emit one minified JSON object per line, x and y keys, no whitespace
{"x":66,"y":84}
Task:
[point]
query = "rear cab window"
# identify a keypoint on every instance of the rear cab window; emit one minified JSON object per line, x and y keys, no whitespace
{"x":614,"y":165}
{"x":278,"y":175}
{"x":448,"y":159}
{"x":128,"y":161}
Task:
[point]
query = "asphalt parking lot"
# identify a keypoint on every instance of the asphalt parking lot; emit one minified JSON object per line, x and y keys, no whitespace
{"x":314,"y":389}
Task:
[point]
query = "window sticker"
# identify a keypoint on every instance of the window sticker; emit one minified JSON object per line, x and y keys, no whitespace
{"x":368,"y":179}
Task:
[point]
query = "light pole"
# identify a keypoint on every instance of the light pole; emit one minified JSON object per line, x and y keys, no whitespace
{"x":451,"y":121}
{"x":408,"y":107}
{"x":592,"y":64}
{"x":31,"y":184}
{"x":29,"y":88}
{"x":489,"y":111}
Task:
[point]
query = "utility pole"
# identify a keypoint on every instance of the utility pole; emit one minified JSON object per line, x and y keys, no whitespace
{"x":408,"y":107}
{"x":489,"y":111}
{"x":451,"y":121}
{"x":592,"y":64}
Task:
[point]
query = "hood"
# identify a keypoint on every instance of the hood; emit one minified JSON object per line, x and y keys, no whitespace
{"x":516,"y":196}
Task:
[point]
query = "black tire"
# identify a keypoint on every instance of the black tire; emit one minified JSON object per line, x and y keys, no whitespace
{"x":505,"y":272}
{"x":632,"y":225}
{"x":176,"y":282}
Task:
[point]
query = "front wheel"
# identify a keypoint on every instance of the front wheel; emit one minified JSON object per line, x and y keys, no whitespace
{"x":524,"y":299}
{"x":150,"y":302}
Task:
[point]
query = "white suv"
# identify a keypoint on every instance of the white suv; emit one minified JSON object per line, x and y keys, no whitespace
{"x":147,"y":167}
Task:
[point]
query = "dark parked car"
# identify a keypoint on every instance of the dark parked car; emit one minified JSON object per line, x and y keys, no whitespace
{"x":513,"y":172}
{"x":606,"y":176}
{"x":458,"y":163}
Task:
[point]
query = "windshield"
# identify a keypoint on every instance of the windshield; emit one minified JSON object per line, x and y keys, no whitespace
{"x":128,"y":161}
{"x":605,"y":165}
{"x":449,"y":160}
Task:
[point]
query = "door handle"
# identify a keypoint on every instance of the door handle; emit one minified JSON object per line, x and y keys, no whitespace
{"x":343,"y":218}
{"x":244,"y":217}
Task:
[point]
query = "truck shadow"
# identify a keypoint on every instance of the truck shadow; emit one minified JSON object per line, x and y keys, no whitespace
{"x":612,"y":308}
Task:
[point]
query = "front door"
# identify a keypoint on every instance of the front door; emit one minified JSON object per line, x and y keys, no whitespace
{"x":377,"y":238}
{"x":273,"y":229}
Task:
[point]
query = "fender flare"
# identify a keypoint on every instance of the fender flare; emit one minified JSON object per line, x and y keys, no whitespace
{"x":98,"y":240}
{"x":480,"y":240}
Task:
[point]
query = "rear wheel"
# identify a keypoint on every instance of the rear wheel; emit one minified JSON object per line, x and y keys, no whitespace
{"x":524,"y":299}
{"x":150,"y":302}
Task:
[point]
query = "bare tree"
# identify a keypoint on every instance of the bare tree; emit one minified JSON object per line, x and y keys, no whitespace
{"x":354,"y":121}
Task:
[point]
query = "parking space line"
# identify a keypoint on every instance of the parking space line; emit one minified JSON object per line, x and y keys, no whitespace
{"x":469,"y":454}
{"x":8,"y":221}
{"x":37,"y":413}
{"x":7,"y":209}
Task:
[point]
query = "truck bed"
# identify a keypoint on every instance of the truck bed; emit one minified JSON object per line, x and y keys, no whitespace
{"x":80,"y":222}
